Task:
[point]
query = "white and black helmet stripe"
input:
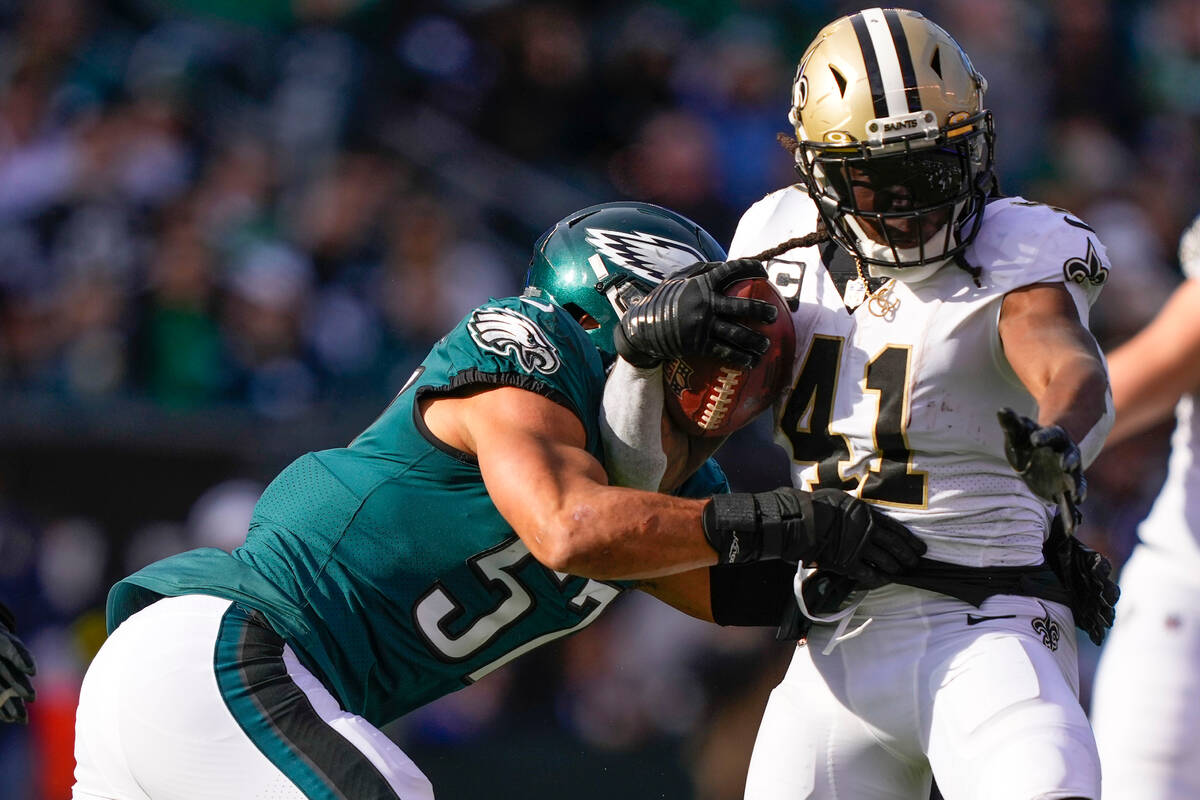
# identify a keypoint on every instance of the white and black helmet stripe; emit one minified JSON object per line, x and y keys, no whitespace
{"x":908,"y":73}
{"x":871,"y":60}
{"x":888,"y":59}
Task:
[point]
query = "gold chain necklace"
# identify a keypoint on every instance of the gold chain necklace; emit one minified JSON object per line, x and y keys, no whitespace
{"x":880,"y":302}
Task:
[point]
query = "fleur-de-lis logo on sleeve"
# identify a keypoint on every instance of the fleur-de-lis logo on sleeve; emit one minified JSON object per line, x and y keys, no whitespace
{"x":1089,"y":268}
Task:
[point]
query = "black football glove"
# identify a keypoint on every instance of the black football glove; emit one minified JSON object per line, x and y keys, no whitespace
{"x":689,"y":315}
{"x":1045,"y":458}
{"x":16,"y":667}
{"x":1085,"y":575}
{"x":828,"y":527}
{"x":824,"y":592}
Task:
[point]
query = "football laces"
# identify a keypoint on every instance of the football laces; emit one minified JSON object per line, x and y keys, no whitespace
{"x":721,"y":398}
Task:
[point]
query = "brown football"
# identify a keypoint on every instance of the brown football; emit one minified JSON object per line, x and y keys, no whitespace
{"x":707,"y":398}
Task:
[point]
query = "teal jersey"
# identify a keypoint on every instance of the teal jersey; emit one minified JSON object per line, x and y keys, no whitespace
{"x":705,"y":482}
{"x":384,"y":564}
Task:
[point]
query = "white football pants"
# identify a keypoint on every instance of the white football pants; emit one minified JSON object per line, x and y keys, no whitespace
{"x":1146,"y":698}
{"x":194,"y":698}
{"x":984,"y":698}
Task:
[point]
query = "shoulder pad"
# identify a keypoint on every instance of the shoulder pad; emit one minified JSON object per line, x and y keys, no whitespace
{"x":525,"y":342}
{"x":1022,"y":243}
{"x":779,"y":216}
{"x":528,"y":333}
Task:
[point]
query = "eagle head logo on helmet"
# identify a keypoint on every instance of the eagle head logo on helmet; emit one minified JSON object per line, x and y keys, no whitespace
{"x":652,"y":258}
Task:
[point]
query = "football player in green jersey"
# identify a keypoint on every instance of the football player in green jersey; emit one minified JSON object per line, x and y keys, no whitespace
{"x":471,"y":522}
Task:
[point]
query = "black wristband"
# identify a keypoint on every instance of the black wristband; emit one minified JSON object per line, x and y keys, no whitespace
{"x":731,"y":526}
{"x":748,"y":527}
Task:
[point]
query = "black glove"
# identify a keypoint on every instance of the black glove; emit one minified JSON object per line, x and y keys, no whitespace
{"x":16,"y":667}
{"x":1085,"y":575}
{"x":829,"y":527}
{"x":824,"y":592}
{"x":1045,"y":457}
{"x":689,"y":316}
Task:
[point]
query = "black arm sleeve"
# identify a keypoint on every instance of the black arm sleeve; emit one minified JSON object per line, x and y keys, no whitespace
{"x":750,"y":594}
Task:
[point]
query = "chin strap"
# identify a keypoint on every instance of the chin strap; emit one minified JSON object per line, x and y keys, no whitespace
{"x":906,"y":274}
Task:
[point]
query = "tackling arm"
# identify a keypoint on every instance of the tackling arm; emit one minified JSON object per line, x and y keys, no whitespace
{"x":533,"y":459}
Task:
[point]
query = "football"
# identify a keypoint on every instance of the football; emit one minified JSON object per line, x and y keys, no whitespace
{"x":705,"y":397}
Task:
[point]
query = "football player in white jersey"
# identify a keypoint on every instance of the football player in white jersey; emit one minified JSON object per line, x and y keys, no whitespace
{"x":1146,"y":699}
{"x":926,"y":306}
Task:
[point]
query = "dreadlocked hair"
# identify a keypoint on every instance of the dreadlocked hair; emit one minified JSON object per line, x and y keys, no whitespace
{"x":974,"y":272}
{"x":990,"y":185}
{"x":788,"y":142}
{"x":821,"y":234}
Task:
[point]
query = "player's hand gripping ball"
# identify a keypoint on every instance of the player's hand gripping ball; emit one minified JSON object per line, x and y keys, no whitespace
{"x":709,"y":397}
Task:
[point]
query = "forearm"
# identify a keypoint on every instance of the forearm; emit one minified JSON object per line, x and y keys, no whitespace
{"x":1057,"y":360}
{"x":1144,"y":392}
{"x":688,"y":592}
{"x":555,"y":495}
{"x":610,"y":533}
{"x":1074,"y":396}
{"x":1077,"y":399}
{"x":642,"y":448}
{"x":1152,"y":370}
{"x":631,"y":426}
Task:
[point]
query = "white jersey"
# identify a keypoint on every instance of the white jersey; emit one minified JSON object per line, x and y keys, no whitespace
{"x":900,"y":409}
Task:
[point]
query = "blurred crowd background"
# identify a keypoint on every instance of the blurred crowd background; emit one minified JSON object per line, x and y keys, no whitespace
{"x":230,"y":229}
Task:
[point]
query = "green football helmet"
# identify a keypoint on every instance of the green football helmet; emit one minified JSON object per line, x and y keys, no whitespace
{"x":597,"y":261}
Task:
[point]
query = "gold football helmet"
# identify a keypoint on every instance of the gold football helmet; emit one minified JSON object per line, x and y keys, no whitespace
{"x":894,"y":143}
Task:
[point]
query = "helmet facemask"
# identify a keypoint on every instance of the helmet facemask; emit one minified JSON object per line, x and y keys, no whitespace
{"x":901,"y":207}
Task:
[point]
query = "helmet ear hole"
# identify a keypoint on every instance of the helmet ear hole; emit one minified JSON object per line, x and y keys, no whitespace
{"x":935,"y":63}
{"x":840,"y":79}
{"x":585,"y":320}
